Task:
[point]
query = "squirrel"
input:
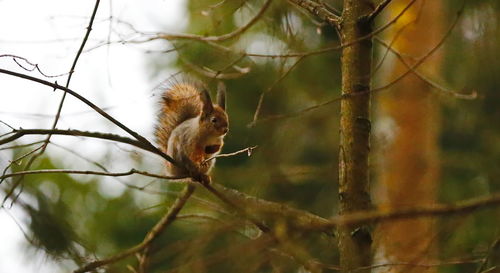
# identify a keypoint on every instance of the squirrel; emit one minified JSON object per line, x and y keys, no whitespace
{"x":191,"y":129}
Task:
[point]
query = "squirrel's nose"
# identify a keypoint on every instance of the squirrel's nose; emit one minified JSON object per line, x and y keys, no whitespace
{"x":224,"y":130}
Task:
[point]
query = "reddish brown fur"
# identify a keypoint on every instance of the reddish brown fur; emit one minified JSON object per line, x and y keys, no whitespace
{"x":191,"y":129}
{"x":179,"y":103}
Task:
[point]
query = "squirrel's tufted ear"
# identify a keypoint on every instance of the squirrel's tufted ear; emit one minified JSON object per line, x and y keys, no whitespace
{"x":221,"y":95}
{"x":208,"y":107}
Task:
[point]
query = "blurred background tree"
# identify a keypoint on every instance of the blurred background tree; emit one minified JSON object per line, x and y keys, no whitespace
{"x":409,"y":122}
{"x":430,"y":147}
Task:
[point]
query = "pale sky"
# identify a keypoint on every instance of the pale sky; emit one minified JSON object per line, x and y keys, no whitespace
{"x":49,"y":33}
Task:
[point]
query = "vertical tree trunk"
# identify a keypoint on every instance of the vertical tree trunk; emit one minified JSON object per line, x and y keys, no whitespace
{"x":355,"y":241}
{"x":408,"y":168}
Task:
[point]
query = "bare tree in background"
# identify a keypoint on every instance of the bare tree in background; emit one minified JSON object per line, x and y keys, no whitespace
{"x":409,"y":165}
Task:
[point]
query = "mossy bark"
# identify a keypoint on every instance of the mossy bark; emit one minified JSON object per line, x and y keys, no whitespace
{"x":355,"y":127}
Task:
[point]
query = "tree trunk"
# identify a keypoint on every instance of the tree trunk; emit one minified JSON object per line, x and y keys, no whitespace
{"x":355,"y":241}
{"x":409,"y":113}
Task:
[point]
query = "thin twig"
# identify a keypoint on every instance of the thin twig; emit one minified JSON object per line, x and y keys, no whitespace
{"x":263,"y":94}
{"x":19,"y":226}
{"x":209,"y":73}
{"x":378,"y":9}
{"x":237,"y":208}
{"x":377,"y":89}
{"x":220,"y":38}
{"x":341,"y":46}
{"x":21,"y":145}
{"x":262,"y":227}
{"x":17,"y":160}
{"x":393,"y":40}
{"x":471,"y":96}
{"x":6,"y":124}
{"x":426,"y":56}
{"x":61,"y":103}
{"x":484,"y":262}
{"x":73,"y":152}
{"x":140,"y":138}
{"x":248,"y":150}
{"x":102,"y":167}
{"x":165,"y":221}
{"x":22,"y":132}
{"x":319,"y":10}
{"x":34,"y":66}
{"x":66,"y":171}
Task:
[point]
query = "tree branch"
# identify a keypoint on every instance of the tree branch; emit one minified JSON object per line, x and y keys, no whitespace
{"x":248,"y":150}
{"x":466,"y":206}
{"x":319,"y":10}
{"x":268,"y":211}
{"x":61,"y":103}
{"x":34,"y":66}
{"x":65,"y":171}
{"x":376,"y":89}
{"x":166,"y":220}
{"x":378,"y":9}
{"x":422,"y":59}
{"x":341,"y":46}
{"x":471,"y":96}
{"x":150,"y":147}
{"x":22,"y":132}
{"x":21,"y":145}
{"x":220,"y":38}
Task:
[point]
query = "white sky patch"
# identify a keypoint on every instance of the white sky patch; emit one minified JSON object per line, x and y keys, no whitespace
{"x":49,"y":33}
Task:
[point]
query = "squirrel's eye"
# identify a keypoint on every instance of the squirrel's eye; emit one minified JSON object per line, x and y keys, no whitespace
{"x":214,"y":120}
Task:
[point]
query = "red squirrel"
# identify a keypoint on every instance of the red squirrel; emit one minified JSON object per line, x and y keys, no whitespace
{"x":191,"y":129}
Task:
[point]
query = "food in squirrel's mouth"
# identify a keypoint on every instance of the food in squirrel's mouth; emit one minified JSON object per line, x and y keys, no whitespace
{"x":211,"y":149}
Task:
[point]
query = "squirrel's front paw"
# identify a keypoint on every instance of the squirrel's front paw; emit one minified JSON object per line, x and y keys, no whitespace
{"x":205,"y":179}
{"x":201,"y":177}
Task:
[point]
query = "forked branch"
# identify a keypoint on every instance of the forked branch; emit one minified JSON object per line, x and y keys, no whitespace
{"x":165,"y":221}
{"x":319,"y":10}
{"x":378,"y":9}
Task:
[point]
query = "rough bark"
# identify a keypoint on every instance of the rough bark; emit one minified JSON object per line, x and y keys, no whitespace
{"x":408,"y":169}
{"x":355,"y":126}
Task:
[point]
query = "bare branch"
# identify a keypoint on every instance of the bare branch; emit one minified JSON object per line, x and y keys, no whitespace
{"x":378,"y":9}
{"x":71,"y":71}
{"x":61,"y":103}
{"x":338,"y":47}
{"x":145,"y":142}
{"x":267,"y":211}
{"x":262,"y":95}
{"x":165,"y":221}
{"x":65,"y":171}
{"x":471,"y":96}
{"x":17,"y":160}
{"x":463,"y":207}
{"x":34,"y":66}
{"x":319,"y":10}
{"x":209,"y":73}
{"x":484,"y":262}
{"x":6,"y":124}
{"x":21,"y":145}
{"x":386,"y":52}
{"x":377,"y":89}
{"x":424,"y":58}
{"x":435,"y":264}
{"x":220,"y":38}
{"x":247,"y":150}
{"x":22,"y":132}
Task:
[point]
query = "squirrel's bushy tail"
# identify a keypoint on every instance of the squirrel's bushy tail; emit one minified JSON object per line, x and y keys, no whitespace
{"x":179,"y":103}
